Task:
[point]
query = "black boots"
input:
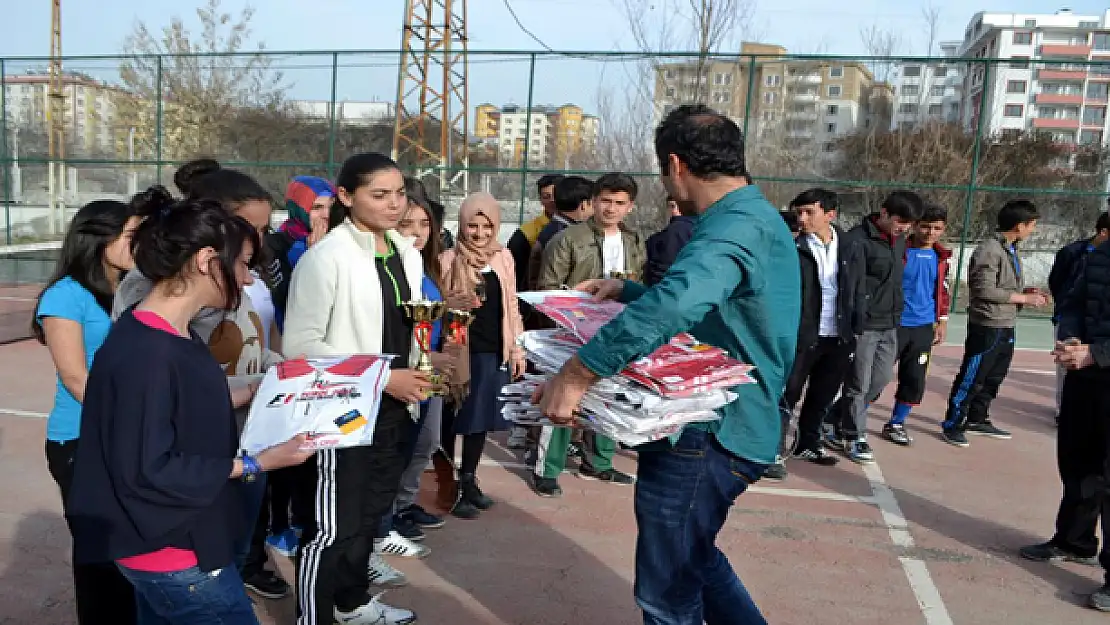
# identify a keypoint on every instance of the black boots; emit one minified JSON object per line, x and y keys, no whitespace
{"x":471,"y":499}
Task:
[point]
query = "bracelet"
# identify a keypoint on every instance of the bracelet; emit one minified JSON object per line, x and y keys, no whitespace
{"x":251,"y":468}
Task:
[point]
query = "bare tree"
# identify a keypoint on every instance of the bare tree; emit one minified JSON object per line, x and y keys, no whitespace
{"x":881,"y":42}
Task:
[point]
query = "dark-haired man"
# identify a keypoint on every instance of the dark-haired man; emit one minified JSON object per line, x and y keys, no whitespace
{"x":880,"y":241}
{"x":600,"y":247}
{"x":573,"y":204}
{"x":831,"y":305}
{"x":663,"y":246}
{"x":996,"y":284}
{"x":924,"y":316}
{"x":1066,"y":268}
{"x":735,"y":286}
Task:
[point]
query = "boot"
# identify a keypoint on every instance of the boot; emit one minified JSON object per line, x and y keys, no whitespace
{"x":470,"y":492}
{"x":463,"y":508}
{"x":447,"y":487}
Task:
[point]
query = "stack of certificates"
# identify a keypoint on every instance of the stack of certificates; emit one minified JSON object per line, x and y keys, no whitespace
{"x":682,"y":382}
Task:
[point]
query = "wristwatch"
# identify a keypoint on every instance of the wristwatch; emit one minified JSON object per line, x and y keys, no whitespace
{"x":251,"y":468}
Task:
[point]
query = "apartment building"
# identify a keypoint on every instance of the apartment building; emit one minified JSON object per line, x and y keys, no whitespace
{"x":799,"y":101}
{"x":1047,"y":84}
{"x":550,"y":135}
{"x":90,"y":109}
{"x":928,"y":91}
{"x":353,"y":113}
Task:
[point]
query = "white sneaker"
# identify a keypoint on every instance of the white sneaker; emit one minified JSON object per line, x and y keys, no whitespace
{"x":382,"y":573}
{"x":397,"y":545}
{"x":376,"y":613}
{"x":518,"y":438}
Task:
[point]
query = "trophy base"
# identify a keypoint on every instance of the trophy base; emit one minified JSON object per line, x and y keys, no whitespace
{"x":438,"y":380}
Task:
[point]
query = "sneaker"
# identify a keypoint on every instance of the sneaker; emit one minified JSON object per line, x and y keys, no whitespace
{"x":776,"y":470}
{"x":833,"y":441}
{"x":1048,"y":552}
{"x":574,"y":451}
{"x":473,"y":494}
{"x":284,"y":543}
{"x":986,"y":428}
{"x":266,"y":584}
{"x":610,"y":476}
{"x":407,"y":527}
{"x":375,"y":613}
{"x":546,"y":486}
{"x":530,"y":457}
{"x":464,"y":508}
{"x":816,"y":455}
{"x":397,"y":545}
{"x":897,"y":434}
{"x":1100,"y":599}
{"x":860,"y":452}
{"x":423,"y":518}
{"x":955,"y":437}
{"x":382,"y":573}
{"x":518,"y":438}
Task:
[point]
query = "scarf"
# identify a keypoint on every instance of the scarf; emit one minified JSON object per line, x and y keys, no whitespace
{"x":299,"y":196}
{"x":464,"y":274}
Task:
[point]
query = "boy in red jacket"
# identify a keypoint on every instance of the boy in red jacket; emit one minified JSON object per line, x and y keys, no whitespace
{"x":924,"y":316}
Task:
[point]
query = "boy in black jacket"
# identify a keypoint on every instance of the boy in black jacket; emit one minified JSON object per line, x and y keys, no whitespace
{"x":831,"y":305}
{"x":880,"y":243}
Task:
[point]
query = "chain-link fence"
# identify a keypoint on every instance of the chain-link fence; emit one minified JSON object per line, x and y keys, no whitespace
{"x":968,"y":133}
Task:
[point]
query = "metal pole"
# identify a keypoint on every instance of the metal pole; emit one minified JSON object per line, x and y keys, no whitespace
{"x":527,"y":136}
{"x":158,"y":123}
{"x":748,"y":98}
{"x":969,"y":202}
{"x":4,"y":154}
{"x":331,"y":122}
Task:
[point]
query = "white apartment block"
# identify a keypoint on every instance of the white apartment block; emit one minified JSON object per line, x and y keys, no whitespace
{"x":931,"y":91}
{"x":514,"y":126}
{"x":90,"y":109}
{"x":347,"y":112}
{"x":1042,"y":87}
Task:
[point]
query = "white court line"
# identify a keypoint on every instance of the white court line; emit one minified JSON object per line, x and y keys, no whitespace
{"x":921,"y":583}
{"x":6,"y":298}
{"x":1036,"y":371}
{"x":23,"y":413}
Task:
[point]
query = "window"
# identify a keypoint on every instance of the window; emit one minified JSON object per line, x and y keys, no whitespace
{"x":1019,"y":62}
{"x":1093,"y":116}
{"x":770,"y":97}
{"x":1098,"y":91}
{"x":911,"y":71}
{"x":836,"y":71}
{"x":1100,"y":41}
{"x":1015,"y":86}
{"x":670,"y":92}
{"x":1090,"y":137}
{"x":832,"y":109}
{"x":722,"y":97}
{"x":1030,"y":23}
{"x":936,"y":110}
{"x":1013,"y":110}
{"x":835,"y":91}
{"x":936,"y":90}
{"x":940,"y":72}
{"x":769,"y":116}
{"x":1023,"y":39}
{"x":722,"y":79}
{"x":907,"y":109}
{"x":830,"y":128}
{"x":911,"y":90}
{"x":668,"y":74}
{"x":828,"y":147}
{"x":772,"y":80}
{"x":1088,"y":24}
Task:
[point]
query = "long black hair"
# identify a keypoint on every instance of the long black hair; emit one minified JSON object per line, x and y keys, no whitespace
{"x":172,"y":232}
{"x":95,"y":226}
{"x":185,"y":175}
{"x":357,"y":169}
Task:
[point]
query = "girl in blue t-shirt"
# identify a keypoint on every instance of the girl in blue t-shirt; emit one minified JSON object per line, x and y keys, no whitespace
{"x":72,"y":320}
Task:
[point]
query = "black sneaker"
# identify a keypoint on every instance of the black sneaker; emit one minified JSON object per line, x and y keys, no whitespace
{"x":1048,"y":552}
{"x":266,"y":584}
{"x":611,"y":476}
{"x":1100,"y":599}
{"x":817,"y":455}
{"x":546,"y":486}
{"x":530,"y":456}
{"x":986,"y":428}
{"x":423,"y":518}
{"x":407,"y":527}
{"x":575,"y":451}
{"x":464,"y":508}
{"x":776,"y":470}
{"x":955,"y":437}
{"x":897,"y":434}
{"x":473,"y":494}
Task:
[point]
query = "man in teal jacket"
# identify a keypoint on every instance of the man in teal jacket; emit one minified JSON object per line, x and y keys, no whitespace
{"x":735,"y":285}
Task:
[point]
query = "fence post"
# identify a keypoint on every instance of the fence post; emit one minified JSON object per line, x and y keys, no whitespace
{"x":4,"y":156}
{"x":748,"y":99}
{"x":527,"y":136}
{"x":331,"y":121}
{"x":158,"y":123}
{"x":969,"y":202}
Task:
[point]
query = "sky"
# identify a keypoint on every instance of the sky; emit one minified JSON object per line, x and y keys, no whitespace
{"x":803,"y":26}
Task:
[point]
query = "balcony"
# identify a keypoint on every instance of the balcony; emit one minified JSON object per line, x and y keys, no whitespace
{"x":802,"y":115}
{"x":1057,"y":98}
{"x":806,"y":79}
{"x":1060,"y":49}
{"x":1053,"y":123}
{"x":1063,"y":73}
{"x":806,"y":96}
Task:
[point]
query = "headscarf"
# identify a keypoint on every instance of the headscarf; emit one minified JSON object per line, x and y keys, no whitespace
{"x":465,"y":271}
{"x":299,"y":196}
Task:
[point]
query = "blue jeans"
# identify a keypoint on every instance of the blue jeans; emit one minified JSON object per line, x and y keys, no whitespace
{"x":191,"y":597}
{"x":253,"y":494}
{"x":683,"y":495}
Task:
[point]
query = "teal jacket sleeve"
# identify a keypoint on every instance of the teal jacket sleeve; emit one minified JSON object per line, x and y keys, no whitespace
{"x":707,"y":272}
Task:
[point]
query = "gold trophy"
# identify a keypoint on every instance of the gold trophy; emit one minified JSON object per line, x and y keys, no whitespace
{"x":622,"y":275}
{"x":458,"y":322}
{"x":423,"y":314}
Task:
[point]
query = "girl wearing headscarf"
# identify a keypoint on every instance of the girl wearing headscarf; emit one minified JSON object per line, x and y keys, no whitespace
{"x":479,"y":264}
{"x":309,"y":201}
